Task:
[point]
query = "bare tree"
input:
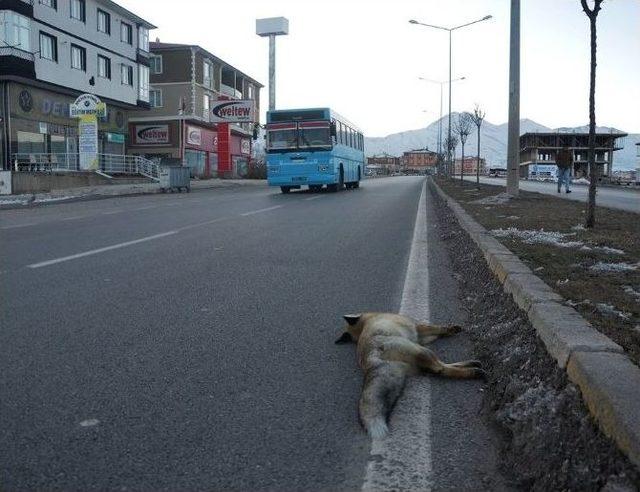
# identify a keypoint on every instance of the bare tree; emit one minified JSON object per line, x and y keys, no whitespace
{"x":450,"y":144}
{"x":478,"y":117}
{"x":463,"y":128}
{"x":592,"y":14}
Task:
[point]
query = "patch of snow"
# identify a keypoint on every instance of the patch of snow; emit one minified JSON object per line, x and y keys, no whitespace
{"x":607,"y":249}
{"x":538,"y":237}
{"x":631,"y":291}
{"x":613,"y":267}
{"x":498,"y":199}
{"x":581,"y":181}
{"x":55,"y":198}
{"x":609,"y":310}
{"x":578,"y":227}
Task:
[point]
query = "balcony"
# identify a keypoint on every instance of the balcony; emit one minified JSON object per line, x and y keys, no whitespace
{"x":14,"y":61}
{"x":230,"y":91}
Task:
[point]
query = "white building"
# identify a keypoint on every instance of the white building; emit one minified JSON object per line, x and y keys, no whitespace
{"x":51,"y":51}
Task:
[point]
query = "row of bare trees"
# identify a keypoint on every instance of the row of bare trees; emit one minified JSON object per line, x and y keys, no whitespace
{"x":461,"y":129}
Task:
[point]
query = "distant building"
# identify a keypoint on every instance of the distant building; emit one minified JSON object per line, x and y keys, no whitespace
{"x":185,"y":82}
{"x":538,"y":152}
{"x":419,"y":160}
{"x":470,"y":165}
{"x":383,"y":163}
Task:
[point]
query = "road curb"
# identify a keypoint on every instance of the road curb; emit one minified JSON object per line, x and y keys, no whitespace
{"x":607,"y":378}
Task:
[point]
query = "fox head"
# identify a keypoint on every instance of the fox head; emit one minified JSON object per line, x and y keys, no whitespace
{"x":353,"y":329}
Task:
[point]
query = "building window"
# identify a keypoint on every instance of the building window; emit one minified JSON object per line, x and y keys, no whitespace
{"x":15,"y":30}
{"x":207,"y":77}
{"x":48,"y":47}
{"x":143,"y":38}
{"x":206,"y":106}
{"x":126,"y":74}
{"x":250,"y":91}
{"x":104,"y":22}
{"x":126,"y":33}
{"x":78,"y":10}
{"x":155,"y":98}
{"x":143,"y":83}
{"x":50,"y":3}
{"x":104,"y":67}
{"x":78,"y":58}
{"x":155,"y":63}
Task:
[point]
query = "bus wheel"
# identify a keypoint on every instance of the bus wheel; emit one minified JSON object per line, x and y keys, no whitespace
{"x":356,"y":184}
{"x":315,"y":188}
{"x":285,"y":189}
{"x":332,"y":187}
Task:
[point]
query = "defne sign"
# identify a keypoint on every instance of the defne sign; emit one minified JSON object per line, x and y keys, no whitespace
{"x":241,"y":111}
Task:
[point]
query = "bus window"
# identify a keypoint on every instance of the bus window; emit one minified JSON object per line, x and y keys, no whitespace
{"x":281,"y":136}
{"x":314,"y":134}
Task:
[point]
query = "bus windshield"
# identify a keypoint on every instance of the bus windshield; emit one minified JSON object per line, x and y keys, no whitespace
{"x":314,"y":136}
{"x":282,"y":137}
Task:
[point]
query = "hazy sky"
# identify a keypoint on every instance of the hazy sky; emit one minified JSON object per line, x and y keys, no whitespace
{"x":363,"y":58}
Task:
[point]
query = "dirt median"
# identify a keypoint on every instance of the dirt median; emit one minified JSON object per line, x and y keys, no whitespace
{"x":551,"y":442}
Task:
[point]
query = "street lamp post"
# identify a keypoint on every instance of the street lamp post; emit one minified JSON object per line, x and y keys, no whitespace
{"x":272,"y":27}
{"x":450,"y":30}
{"x":513,"y":141}
{"x":440,"y":83}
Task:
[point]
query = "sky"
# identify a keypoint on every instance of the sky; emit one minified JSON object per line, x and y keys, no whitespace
{"x":363,"y":58}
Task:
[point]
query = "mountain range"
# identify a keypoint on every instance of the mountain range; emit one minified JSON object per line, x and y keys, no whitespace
{"x":493,"y":141}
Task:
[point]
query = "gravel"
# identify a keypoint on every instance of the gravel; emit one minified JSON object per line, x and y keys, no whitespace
{"x":550,"y":441}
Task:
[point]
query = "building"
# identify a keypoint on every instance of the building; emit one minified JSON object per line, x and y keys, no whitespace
{"x":383,"y":163}
{"x":420,"y":160}
{"x":185,"y":82}
{"x":538,"y":152}
{"x":55,"y":50}
{"x":470,"y":165}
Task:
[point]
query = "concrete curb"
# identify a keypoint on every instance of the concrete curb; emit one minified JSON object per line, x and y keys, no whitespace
{"x":608,"y":380}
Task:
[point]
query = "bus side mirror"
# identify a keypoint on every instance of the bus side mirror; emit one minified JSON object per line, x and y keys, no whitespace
{"x":333,"y":130}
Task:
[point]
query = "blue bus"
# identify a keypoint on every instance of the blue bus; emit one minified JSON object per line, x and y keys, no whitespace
{"x":313,"y":147}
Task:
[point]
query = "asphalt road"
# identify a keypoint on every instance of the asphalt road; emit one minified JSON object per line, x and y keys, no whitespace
{"x":175,"y":342}
{"x":620,"y":198}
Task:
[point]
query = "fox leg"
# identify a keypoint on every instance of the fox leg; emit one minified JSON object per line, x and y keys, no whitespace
{"x":425,"y":359}
{"x":428,"y":333}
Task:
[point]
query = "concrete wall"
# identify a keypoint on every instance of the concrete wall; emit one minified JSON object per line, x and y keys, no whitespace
{"x":42,"y":183}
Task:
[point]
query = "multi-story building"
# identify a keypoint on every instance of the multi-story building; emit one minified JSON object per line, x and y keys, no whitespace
{"x":54,"y":50}
{"x":470,"y":165}
{"x":538,"y":152}
{"x":185,"y":82}
{"x":420,"y":160}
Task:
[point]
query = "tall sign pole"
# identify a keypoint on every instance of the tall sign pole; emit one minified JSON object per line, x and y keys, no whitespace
{"x":513,"y":145}
{"x":272,"y":27}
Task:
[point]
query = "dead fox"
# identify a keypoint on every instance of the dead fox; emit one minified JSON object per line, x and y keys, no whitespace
{"x":390,"y":346}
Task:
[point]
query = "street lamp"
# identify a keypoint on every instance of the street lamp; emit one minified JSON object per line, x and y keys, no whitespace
{"x":272,"y":27}
{"x":440,"y":83}
{"x":450,"y":30}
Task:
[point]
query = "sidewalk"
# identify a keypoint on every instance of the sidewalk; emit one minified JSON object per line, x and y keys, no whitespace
{"x":89,"y":192}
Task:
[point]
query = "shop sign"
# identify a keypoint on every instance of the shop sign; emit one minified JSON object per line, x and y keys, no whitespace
{"x":88,"y":104}
{"x":239,"y":111}
{"x":245,"y":146}
{"x":194,"y":135}
{"x":43,"y":127}
{"x":88,"y":142}
{"x":152,"y":134}
{"x":115,"y":137}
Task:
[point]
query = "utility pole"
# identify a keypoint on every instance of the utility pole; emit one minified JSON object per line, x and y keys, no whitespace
{"x":272,"y":27}
{"x":513,"y":146}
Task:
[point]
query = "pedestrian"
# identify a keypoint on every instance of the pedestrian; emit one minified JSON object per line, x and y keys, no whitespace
{"x":564,"y":161}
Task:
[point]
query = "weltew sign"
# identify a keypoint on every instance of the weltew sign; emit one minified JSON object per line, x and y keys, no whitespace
{"x":240,"y":111}
{"x":152,"y":134}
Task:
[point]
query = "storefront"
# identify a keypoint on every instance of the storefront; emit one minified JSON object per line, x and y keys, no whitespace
{"x":37,"y":121}
{"x":163,"y":141}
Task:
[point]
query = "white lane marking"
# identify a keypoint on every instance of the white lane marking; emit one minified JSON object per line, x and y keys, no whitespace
{"x":75,"y":217}
{"x":100,"y":250}
{"x":261,"y":210}
{"x":18,"y":226}
{"x":402,"y":460}
{"x":89,"y":423}
{"x":313,"y":198}
{"x":200,"y":224}
{"x":111,"y":212}
{"x":145,"y":208}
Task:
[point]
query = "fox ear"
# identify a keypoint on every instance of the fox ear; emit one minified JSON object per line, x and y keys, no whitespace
{"x":352,"y":319}
{"x":345,"y":338}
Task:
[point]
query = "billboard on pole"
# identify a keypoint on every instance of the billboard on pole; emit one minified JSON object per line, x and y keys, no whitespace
{"x":239,"y":111}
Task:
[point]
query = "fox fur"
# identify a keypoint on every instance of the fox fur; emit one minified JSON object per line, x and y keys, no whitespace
{"x":390,"y":347}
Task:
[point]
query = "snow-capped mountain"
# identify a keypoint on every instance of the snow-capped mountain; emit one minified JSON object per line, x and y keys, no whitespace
{"x":493,"y":141}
